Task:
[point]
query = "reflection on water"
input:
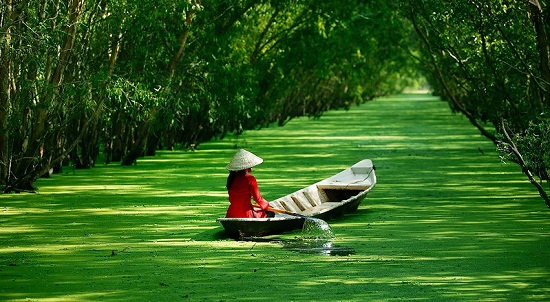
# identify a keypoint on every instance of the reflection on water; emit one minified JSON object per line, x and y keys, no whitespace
{"x":317,"y":246}
{"x":311,"y":246}
{"x":316,"y":238}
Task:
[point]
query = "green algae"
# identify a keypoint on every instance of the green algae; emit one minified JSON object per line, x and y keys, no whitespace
{"x":447,"y":220}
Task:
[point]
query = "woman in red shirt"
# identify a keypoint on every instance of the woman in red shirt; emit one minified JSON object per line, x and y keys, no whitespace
{"x":242,"y":187}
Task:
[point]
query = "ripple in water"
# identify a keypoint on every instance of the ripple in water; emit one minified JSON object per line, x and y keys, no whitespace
{"x":315,"y":239}
{"x":317,"y":246}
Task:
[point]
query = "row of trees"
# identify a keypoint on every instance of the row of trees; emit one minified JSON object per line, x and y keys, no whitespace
{"x":125,"y":78}
{"x":81,"y":77}
{"x":490,"y":61}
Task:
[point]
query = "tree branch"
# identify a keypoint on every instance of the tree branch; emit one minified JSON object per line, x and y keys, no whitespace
{"x":525,"y":169}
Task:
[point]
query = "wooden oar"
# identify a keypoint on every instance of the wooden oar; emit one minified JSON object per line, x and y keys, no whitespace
{"x":313,"y":227}
{"x":286,"y":212}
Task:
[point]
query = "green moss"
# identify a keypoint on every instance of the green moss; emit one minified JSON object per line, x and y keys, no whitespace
{"x":445,"y":222}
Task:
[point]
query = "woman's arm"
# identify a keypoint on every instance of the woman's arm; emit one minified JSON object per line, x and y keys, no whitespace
{"x":255,"y":192}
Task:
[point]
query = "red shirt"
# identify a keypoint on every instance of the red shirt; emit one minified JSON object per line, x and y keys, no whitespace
{"x":243,"y":188}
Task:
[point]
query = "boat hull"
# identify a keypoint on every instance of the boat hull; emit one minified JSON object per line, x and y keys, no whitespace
{"x":257,"y":227}
{"x":327,"y":199}
{"x":239,"y":228}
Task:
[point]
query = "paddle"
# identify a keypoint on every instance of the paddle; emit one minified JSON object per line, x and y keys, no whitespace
{"x":285,"y":212}
{"x":289,"y":213}
{"x":314,"y":227}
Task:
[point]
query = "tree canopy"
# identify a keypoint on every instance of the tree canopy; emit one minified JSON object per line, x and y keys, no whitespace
{"x":129,"y":77}
{"x":489,"y":60}
{"x":80,"y":78}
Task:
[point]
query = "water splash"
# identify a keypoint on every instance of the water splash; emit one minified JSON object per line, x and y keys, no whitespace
{"x":315,"y":228}
{"x":316,"y":238}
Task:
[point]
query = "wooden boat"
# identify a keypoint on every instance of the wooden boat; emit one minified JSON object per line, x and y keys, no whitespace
{"x":327,"y":199}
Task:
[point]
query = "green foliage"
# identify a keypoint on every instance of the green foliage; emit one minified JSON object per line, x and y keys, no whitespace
{"x":534,"y":144}
{"x":487,"y":60}
{"x":138,"y":76}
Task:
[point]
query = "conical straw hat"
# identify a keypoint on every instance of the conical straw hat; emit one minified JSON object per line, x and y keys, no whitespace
{"x":243,"y":160}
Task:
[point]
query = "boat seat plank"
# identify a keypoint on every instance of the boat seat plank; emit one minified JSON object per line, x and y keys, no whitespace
{"x":289,"y":205}
{"x":276,"y":204}
{"x":297,"y":202}
{"x":302,"y":201}
{"x":325,"y":206}
{"x":312,"y":195}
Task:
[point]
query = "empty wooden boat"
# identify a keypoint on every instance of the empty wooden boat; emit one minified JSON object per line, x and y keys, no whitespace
{"x":332,"y":197}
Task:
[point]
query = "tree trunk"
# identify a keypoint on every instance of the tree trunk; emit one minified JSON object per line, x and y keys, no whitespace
{"x":5,"y":90}
{"x":153,"y":142}
{"x":117,"y":134}
{"x":138,"y":145}
{"x":537,"y":17}
{"x":37,"y":151}
{"x":524,"y":167}
{"x":182,"y":43}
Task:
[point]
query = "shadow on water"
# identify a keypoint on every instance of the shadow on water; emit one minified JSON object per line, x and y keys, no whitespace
{"x":316,"y":238}
{"x":310,"y":241}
